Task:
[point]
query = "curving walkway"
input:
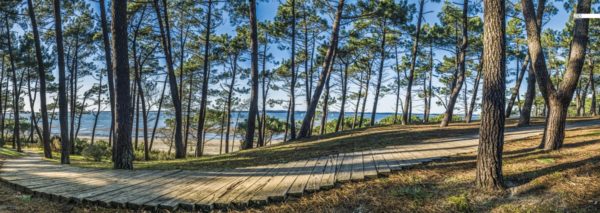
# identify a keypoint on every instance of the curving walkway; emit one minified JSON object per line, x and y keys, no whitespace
{"x":196,"y":190}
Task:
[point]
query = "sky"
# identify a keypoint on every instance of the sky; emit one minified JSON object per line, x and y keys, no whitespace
{"x":267,"y":11}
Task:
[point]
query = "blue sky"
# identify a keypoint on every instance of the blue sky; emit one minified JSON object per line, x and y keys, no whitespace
{"x":267,"y":10}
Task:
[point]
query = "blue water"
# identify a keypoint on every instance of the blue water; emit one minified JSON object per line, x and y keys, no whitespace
{"x":103,"y":126}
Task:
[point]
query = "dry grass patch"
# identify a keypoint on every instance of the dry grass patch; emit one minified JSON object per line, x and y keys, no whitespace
{"x":561,"y":181}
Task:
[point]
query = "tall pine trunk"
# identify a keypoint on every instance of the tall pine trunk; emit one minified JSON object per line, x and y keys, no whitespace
{"x":108,"y":61}
{"x":344,"y":76}
{"x":253,"y":111}
{"x":475,"y":91}
{"x":165,"y":34}
{"x":379,"y":73}
{"x":123,"y":155}
{"x":413,"y":61}
{"x":42,"y":80}
{"x":491,"y":132}
{"x":205,"y":77}
{"x":293,"y":69}
{"x":16,"y":129}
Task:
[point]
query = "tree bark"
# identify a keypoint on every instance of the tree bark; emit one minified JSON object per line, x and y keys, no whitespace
{"x":123,"y":155}
{"x":413,"y":61}
{"x":42,"y":79}
{"x":380,"y":73}
{"x":229,"y":101}
{"x":593,"y":88}
{"x":16,"y":129}
{"x":293,"y":69}
{"x":165,"y":35}
{"x":559,"y":99}
{"x":525,"y":116}
{"x":253,"y":111}
{"x":515,"y":90}
{"x":341,"y":117}
{"x":205,"y":77}
{"x":461,"y":68}
{"x":310,"y":112}
{"x":108,"y":61}
{"x":475,"y":91}
{"x":491,"y":132}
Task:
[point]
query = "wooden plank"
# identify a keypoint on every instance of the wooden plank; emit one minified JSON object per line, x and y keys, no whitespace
{"x":358,"y":167}
{"x":314,"y":182}
{"x":262,"y":196}
{"x":119,"y":199}
{"x":242,"y":200}
{"x":297,"y":188}
{"x":370,"y":169}
{"x":99,"y":196}
{"x":226,"y":199}
{"x":328,"y":180}
{"x":172,"y":201}
{"x":345,"y":169}
{"x":279,"y":192}
{"x":219,"y":190}
{"x":123,"y":179}
{"x":166,"y":188}
{"x":380,"y":163}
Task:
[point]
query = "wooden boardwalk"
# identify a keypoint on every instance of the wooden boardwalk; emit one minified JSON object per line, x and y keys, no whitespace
{"x":242,"y":187}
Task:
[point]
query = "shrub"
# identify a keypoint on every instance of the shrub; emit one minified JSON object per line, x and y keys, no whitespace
{"x":97,"y":151}
{"x":460,"y":203}
{"x":80,"y":145}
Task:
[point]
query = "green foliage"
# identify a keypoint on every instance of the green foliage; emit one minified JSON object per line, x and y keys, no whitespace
{"x":80,"y":145}
{"x":390,"y":119}
{"x":438,"y":118}
{"x":96,"y":151}
{"x":459,"y":203}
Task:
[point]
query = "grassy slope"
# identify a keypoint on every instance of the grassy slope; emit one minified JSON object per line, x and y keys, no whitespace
{"x":560,"y":181}
{"x":347,"y":141}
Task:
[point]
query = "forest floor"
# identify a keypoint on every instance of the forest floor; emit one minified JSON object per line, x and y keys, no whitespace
{"x":566,"y":180}
{"x":316,"y":146}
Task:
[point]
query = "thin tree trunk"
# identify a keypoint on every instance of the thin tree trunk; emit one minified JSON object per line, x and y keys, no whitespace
{"x":165,"y":34}
{"x":364,"y":104}
{"x":229,"y":101}
{"x":293,"y":69}
{"x":475,"y":91}
{"x":360,"y":87}
{"x":461,"y":68}
{"x":413,"y":61}
{"x":341,"y":117}
{"x":310,"y":112}
{"x":491,"y":132}
{"x":108,"y":61}
{"x":323,"y":129}
{"x":515,"y":90}
{"x":3,"y":100}
{"x":42,"y":78}
{"x":398,"y":80}
{"x":525,"y":116}
{"x":160,"y":103}
{"x":16,"y":129}
{"x":593,"y":87}
{"x":205,"y":77}
{"x":379,"y":74}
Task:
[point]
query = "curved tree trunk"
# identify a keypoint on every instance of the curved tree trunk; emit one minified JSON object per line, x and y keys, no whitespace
{"x":525,"y":116}
{"x":557,"y":99}
{"x":475,"y":91}
{"x":310,"y":112}
{"x":461,"y":68}
{"x":515,"y":90}
{"x":344,"y":76}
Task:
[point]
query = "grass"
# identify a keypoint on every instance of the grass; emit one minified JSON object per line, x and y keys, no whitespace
{"x":9,"y":153}
{"x":346,"y":141}
{"x":560,"y":181}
